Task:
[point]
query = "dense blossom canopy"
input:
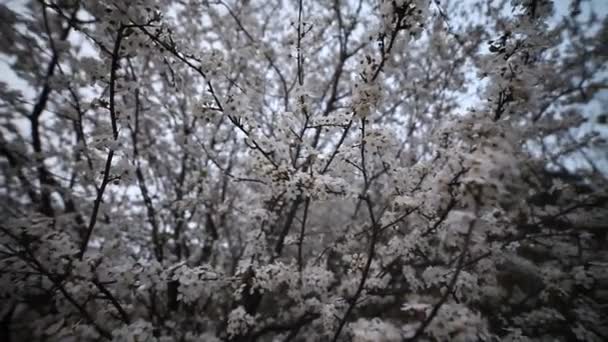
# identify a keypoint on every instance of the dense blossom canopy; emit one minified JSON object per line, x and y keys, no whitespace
{"x":303,"y":170}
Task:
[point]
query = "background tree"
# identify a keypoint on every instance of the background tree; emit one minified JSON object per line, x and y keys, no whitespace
{"x":324,"y":170}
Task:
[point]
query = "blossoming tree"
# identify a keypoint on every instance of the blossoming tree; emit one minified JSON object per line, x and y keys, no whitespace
{"x":327,"y":170}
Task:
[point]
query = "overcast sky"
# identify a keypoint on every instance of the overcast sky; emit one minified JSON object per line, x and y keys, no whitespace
{"x":592,"y":110}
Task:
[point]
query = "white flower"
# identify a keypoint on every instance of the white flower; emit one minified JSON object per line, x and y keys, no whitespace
{"x":239,"y":321}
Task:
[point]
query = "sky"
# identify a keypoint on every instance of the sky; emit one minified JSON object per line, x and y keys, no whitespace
{"x":593,"y":110}
{"x":9,"y":77}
